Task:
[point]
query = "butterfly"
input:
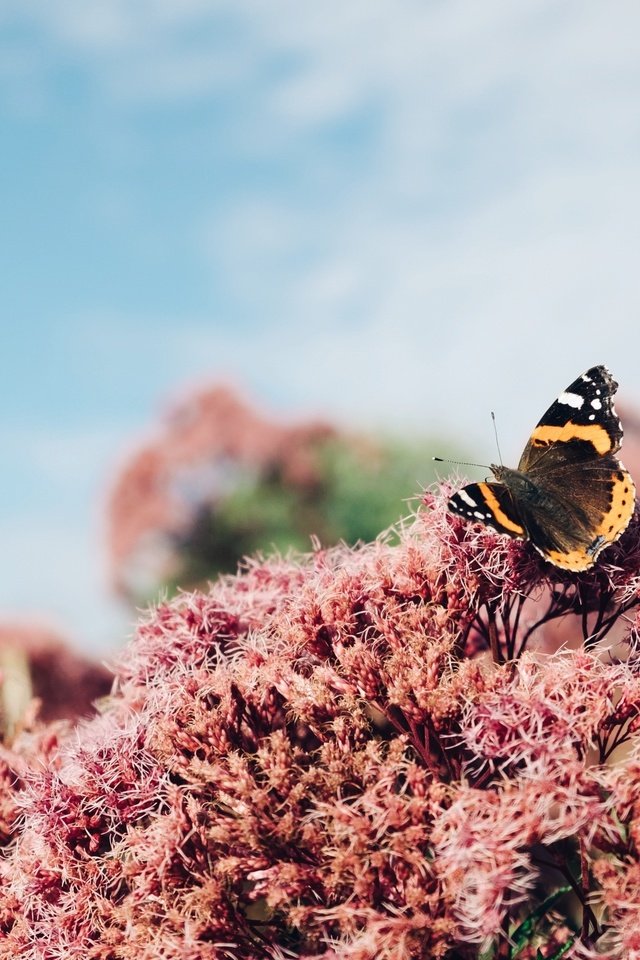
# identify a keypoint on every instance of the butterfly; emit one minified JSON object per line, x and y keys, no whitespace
{"x":570,"y":496}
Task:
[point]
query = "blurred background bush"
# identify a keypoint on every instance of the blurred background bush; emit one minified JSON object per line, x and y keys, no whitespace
{"x":222,"y":480}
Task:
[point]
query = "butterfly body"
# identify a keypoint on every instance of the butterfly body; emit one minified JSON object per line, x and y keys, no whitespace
{"x":570,"y":495}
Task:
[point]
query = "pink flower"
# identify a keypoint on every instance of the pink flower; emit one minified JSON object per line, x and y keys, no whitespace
{"x":360,"y":753}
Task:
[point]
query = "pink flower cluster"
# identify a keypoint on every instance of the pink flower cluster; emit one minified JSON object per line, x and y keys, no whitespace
{"x":206,"y":444}
{"x":364,"y":753}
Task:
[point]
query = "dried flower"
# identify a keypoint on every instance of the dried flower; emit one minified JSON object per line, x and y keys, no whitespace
{"x":360,"y":753}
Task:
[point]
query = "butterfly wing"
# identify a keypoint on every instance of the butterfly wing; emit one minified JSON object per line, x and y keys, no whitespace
{"x":491,"y":504}
{"x":580,"y":425}
{"x":580,"y":511}
{"x":585,"y":496}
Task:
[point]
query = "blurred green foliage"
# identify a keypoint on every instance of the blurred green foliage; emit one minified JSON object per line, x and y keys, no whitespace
{"x":357,"y":488}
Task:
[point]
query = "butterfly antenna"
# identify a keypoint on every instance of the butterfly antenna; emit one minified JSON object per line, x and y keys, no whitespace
{"x":495,"y":431}
{"x":461,"y":463}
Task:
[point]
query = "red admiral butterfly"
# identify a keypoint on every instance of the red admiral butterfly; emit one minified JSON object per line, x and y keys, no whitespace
{"x":570,"y":496}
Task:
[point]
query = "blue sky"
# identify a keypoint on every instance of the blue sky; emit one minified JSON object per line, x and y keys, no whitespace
{"x":397,"y":213}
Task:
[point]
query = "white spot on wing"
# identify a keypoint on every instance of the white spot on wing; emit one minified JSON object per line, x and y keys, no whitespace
{"x":596,"y":404}
{"x":467,"y":499}
{"x":479,"y":515}
{"x":571,"y":399}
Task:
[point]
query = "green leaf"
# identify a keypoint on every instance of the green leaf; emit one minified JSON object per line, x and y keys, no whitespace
{"x":487,"y":954}
{"x":560,"y":952}
{"x":522,"y":934}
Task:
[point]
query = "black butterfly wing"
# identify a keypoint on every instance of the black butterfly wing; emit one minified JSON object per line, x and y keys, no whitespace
{"x":489,"y":503}
{"x":578,"y":511}
{"x":580,"y":425}
{"x":584,"y":496}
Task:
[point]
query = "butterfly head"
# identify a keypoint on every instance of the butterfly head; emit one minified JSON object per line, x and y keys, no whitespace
{"x":516,"y":481}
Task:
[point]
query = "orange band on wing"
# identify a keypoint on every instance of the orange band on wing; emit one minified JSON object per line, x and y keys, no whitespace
{"x":614,"y":522}
{"x":575,"y":560}
{"x":621,"y":508}
{"x":501,"y":517}
{"x":593,"y":433}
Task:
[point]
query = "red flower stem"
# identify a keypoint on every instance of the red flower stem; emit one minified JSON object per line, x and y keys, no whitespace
{"x":496,"y":653}
{"x":587,"y":917}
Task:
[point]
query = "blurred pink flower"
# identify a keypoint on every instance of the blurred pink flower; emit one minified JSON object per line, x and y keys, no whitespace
{"x":205,"y":445}
{"x":64,"y":682}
